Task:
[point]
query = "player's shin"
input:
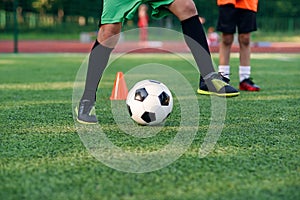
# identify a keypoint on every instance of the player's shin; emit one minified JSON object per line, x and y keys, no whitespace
{"x":195,"y":38}
{"x":98,"y":60}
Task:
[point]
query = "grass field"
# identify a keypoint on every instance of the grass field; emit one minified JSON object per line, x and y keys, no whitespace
{"x":42,"y":157}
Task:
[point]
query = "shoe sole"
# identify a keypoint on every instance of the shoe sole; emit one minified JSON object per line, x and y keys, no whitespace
{"x":203,"y":92}
{"x":83,"y":122}
{"x":250,"y":90}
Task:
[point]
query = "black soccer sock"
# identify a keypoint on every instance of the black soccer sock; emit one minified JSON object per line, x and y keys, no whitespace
{"x":98,"y":60}
{"x":195,"y":38}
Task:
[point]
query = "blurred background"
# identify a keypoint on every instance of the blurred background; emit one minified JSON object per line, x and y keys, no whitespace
{"x":278,"y":20}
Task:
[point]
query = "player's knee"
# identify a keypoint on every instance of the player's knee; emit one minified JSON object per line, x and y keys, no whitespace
{"x":244,"y":39}
{"x":189,"y":8}
{"x":183,"y":9}
{"x":227,"y":40}
{"x":109,"y":31}
{"x":109,"y":34}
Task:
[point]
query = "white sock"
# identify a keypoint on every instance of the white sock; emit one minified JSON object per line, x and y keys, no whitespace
{"x":244,"y":72}
{"x":224,"y":70}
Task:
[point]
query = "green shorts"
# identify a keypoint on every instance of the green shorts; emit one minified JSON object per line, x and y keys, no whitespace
{"x":114,"y":11}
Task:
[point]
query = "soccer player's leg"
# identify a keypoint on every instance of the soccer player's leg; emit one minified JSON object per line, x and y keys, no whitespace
{"x":98,"y":59}
{"x":110,"y":23}
{"x":245,"y":27}
{"x":196,"y":40}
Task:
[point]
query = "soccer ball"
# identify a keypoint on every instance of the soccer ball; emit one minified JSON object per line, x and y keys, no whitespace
{"x":149,"y":102}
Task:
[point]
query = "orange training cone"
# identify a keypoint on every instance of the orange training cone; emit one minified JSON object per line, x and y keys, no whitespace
{"x":120,"y":90}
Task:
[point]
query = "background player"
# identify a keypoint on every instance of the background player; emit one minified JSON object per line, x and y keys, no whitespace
{"x":143,"y":22}
{"x":240,"y":14}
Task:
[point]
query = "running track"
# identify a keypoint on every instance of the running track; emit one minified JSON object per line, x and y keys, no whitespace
{"x":134,"y":47}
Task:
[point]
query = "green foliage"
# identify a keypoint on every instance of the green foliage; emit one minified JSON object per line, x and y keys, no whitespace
{"x":42,"y":156}
{"x":70,"y":7}
{"x":274,"y":15}
{"x":289,"y":8}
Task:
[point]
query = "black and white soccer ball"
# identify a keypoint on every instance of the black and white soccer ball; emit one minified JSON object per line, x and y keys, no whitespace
{"x":149,"y":102}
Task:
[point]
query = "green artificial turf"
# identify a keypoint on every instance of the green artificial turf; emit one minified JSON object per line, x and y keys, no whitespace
{"x":43,"y":157}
